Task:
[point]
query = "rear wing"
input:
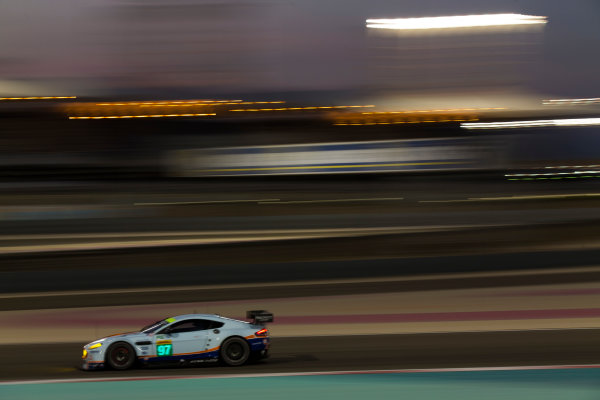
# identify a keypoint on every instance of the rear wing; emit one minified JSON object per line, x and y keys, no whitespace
{"x":259,"y":316}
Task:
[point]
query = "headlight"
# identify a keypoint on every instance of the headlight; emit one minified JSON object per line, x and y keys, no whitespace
{"x":85,"y":353}
{"x":95,"y":346}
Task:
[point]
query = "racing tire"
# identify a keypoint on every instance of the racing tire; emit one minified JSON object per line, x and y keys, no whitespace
{"x":120,"y":356}
{"x":235,"y":351}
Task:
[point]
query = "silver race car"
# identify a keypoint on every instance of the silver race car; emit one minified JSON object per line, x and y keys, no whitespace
{"x":191,"y":338}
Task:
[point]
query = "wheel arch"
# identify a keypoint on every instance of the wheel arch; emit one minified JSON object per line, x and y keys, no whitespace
{"x":115,"y":343}
{"x":132,"y":344}
{"x":235,"y":336}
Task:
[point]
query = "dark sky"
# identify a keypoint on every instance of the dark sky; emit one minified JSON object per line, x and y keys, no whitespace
{"x":95,"y":45}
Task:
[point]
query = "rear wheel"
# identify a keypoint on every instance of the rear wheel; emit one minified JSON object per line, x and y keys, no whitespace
{"x":120,"y":356}
{"x":235,"y":351}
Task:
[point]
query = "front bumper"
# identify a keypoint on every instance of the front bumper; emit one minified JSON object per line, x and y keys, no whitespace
{"x":92,"y":359}
{"x":92,"y":365}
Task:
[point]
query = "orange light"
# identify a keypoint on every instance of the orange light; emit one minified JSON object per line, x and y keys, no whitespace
{"x":262,"y":332}
{"x":38,"y":98}
{"x":434,"y":111}
{"x":183,"y":103}
{"x":143,"y":116}
{"x":167,"y":102}
{"x":295,"y":108}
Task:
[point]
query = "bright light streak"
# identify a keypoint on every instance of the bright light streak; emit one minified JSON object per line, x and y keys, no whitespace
{"x":572,"y":166}
{"x":458,"y":21}
{"x":408,"y":121}
{"x":556,"y":173}
{"x":188,"y":103}
{"x":295,"y":108}
{"x":574,"y":102}
{"x":532,"y":124}
{"x":38,"y":98}
{"x":435,"y":110}
{"x":171,"y":102}
{"x":539,"y":178}
{"x":142,"y":116}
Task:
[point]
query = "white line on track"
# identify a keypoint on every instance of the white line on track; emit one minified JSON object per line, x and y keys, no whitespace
{"x":212,"y":238}
{"x":175,"y":203}
{"x":504,"y":198}
{"x":333,"y":200}
{"x":432,"y":332}
{"x":315,"y":373}
{"x":235,"y":232}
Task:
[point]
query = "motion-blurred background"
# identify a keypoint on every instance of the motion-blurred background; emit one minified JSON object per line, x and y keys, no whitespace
{"x":358,"y":168}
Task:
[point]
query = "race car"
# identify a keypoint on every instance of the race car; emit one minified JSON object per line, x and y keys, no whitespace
{"x":184,"y":339}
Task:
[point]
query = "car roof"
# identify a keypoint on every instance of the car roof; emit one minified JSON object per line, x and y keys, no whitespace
{"x":201,"y":316}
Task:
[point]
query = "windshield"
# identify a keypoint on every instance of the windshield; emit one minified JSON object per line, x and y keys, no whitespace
{"x":153,"y":327}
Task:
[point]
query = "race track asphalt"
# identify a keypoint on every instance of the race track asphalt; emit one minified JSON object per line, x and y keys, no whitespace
{"x":339,"y":353}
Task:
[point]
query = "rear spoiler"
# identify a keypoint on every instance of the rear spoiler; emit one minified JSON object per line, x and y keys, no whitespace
{"x":259,"y":316}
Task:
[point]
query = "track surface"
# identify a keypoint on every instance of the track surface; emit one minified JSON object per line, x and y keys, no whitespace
{"x":529,"y":277}
{"x":306,"y":203}
{"x":60,"y":361}
{"x":362,"y":257}
{"x":355,"y":258}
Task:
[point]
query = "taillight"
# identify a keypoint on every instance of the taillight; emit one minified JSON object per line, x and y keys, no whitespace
{"x":262,"y":332}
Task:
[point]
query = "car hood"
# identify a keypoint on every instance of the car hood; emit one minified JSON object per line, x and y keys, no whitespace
{"x":119,"y":336}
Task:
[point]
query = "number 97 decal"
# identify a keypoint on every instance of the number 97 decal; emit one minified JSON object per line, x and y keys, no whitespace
{"x":164,"y":348}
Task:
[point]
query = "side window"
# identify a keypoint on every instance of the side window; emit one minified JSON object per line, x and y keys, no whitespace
{"x":214,"y":324}
{"x":190,"y":325}
{"x":183,"y":326}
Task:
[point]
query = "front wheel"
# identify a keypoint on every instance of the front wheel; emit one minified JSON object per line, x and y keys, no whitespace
{"x":120,"y":356}
{"x":235,"y":351}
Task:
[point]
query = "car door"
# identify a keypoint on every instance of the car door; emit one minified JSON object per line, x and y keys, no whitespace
{"x":184,"y":339}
